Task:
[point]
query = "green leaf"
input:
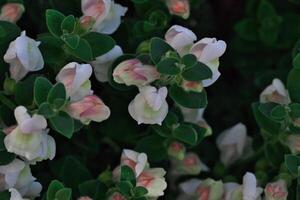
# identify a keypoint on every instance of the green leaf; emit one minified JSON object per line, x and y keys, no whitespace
{"x":265,"y":9}
{"x":63,"y":194}
{"x":171,"y":119}
{"x":93,"y":188}
{"x":274,"y":152}
{"x":293,"y":85}
{"x":139,"y":191}
{"x":5,"y":195}
{"x":188,"y":99}
{"x":125,"y":187}
{"x":2,"y":146}
{"x":168,"y":66}
{"x":197,"y":72}
{"x":24,"y":91}
{"x":296,"y":61}
{"x":247,"y":29}
{"x":100,"y":43}
{"x":292,"y":162}
{"x":63,"y":124}
{"x":53,"y":21}
{"x":127,"y":174}
{"x":158,"y":49}
{"x":139,"y":1}
{"x":72,"y":40}
{"x":68,"y":24}
{"x":73,"y":173}
{"x":189,"y":60}
{"x":6,"y":157}
{"x":53,"y":187}
{"x":186,"y":134}
{"x":264,"y":121}
{"x":161,"y":131}
{"x":46,"y":110}
{"x":58,"y":91}
{"x":294,"y":110}
{"x":9,"y":32}
{"x":83,"y":51}
{"x":279,"y":112}
{"x":42,"y":86}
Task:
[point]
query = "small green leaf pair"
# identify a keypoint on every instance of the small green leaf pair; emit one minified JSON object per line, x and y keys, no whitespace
{"x":57,"y":191}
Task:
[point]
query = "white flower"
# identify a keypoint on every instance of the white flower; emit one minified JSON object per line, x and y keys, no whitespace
{"x":207,"y":189}
{"x":102,"y":63}
{"x":153,"y":180}
{"x":192,"y":115}
{"x":232,"y":191}
{"x":208,"y":51}
{"x":250,"y":189}
{"x":30,"y":139}
{"x":234,"y":144}
{"x":137,"y":161}
{"x":293,"y":142}
{"x":75,"y":78}
{"x":180,"y":38}
{"x":9,"y":174}
{"x":24,"y":56}
{"x":149,"y":106}
{"x":106,"y":14}
{"x":15,"y":195}
{"x":276,"y":93}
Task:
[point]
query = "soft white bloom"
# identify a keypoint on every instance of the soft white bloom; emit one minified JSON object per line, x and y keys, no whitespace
{"x":276,"y":93}
{"x":207,"y":189}
{"x":250,"y":189}
{"x":276,"y":190}
{"x":102,"y":63}
{"x":24,"y":56}
{"x":149,"y":106}
{"x":208,"y":51}
{"x":105,"y":13}
{"x":75,"y":78}
{"x":18,"y":178}
{"x":232,"y":191}
{"x":234,"y":144}
{"x":30,"y":138}
{"x":180,"y":38}
{"x":192,"y":115}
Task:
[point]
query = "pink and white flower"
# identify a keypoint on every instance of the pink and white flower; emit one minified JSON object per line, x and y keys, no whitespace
{"x":176,"y":150}
{"x":276,"y":93}
{"x":149,"y":106}
{"x":24,"y":56}
{"x":234,"y":144}
{"x":90,"y":108}
{"x":134,"y":72}
{"x":75,"y":78}
{"x":11,"y":12}
{"x":293,"y":142}
{"x":179,"y":7}
{"x":276,"y":190}
{"x":105,"y":13}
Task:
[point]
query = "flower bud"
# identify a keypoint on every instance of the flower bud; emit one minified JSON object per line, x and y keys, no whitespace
{"x":149,"y":106}
{"x":24,"y":56}
{"x":116,"y":196}
{"x":180,"y":38}
{"x":190,"y":165}
{"x":192,"y":86}
{"x":276,"y":93}
{"x":11,"y":12}
{"x":249,"y":188}
{"x":86,"y":22}
{"x":9,"y":85}
{"x":85,"y":198}
{"x":293,"y":142}
{"x":133,"y":72}
{"x":75,"y":78}
{"x":179,"y":7}
{"x":90,"y":108}
{"x":276,"y":191}
{"x":176,"y":150}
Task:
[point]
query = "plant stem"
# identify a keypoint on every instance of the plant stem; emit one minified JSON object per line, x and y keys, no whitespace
{"x":4,"y":100}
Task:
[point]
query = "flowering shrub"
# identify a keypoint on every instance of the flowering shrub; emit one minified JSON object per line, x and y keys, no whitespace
{"x":105,"y":99}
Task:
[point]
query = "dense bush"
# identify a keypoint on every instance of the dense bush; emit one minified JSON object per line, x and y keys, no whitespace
{"x":105,"y":99}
